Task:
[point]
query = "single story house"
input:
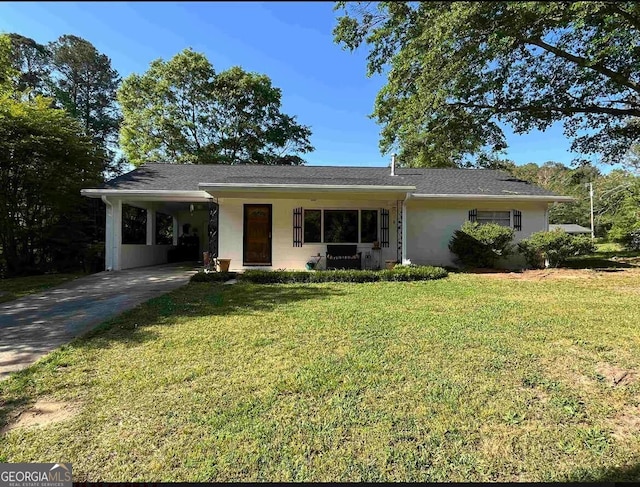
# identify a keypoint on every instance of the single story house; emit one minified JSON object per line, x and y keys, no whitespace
{"x":571,"y":228}
{"x":278,"y":217}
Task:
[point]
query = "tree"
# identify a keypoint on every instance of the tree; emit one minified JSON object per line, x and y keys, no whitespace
{"x":633,"y":158}
{"x":617,"y":205}
{"x":456,"y":70}
{"x":85,"y":84}
{"x":563,"y":180}
{"x":45,"y":159}
{"x":32,"y":62}
{"x":7,"y":72}
{"x":182,"y":111}
{"x":616,"y":196}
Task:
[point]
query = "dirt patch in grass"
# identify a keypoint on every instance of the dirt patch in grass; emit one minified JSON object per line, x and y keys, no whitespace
{"x":536,"y":274}
{"x":549,"y":274}
{"x":616,"y":376}
{"x":42,"y":413}
{"x":626,"y":423}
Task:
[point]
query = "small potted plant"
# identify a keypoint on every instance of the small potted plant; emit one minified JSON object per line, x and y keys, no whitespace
{"x":222,"y":265}
{"x":376,"y":245}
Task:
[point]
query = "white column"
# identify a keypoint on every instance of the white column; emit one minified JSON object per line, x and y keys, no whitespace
{"x":151,"y":226}
{"x":108,"y":235}
{"x":116,"y":239}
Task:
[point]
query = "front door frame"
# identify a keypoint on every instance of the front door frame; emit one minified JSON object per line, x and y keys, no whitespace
{"x":244,"y":233}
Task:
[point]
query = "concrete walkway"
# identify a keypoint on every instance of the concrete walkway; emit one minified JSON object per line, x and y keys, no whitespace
{"x":34,"y":325}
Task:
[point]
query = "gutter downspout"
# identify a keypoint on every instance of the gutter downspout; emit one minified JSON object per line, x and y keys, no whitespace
{"x":405,"y":260}
{"x":108,"y":236}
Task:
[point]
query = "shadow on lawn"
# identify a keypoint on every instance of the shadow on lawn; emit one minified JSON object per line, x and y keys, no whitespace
{"x":598,"y":263}
{"x":197,"y":301}
{"x":134,"y":327}
{"x":629,"y":473}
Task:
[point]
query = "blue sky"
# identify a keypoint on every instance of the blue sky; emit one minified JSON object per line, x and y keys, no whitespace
{"x":324,"y":86}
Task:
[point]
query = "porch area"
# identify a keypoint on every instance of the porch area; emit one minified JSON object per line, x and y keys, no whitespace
{"x":145,"y":231}
{"x":307,"y":232}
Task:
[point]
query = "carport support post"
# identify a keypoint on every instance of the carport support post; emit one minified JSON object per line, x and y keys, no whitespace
{"x":113,"y":234}
{"x":151,"y":226}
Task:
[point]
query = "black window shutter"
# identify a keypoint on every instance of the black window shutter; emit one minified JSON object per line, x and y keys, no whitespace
{"x":297,"y":227}
{"x":517,"y":220}
{"x":384,"y":227}
{"x":473,"y":215}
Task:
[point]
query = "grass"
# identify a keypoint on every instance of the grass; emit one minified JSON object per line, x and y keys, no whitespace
{"x":16,"y":287}
{"x":470,"y":378}
{"x":608,"y":255}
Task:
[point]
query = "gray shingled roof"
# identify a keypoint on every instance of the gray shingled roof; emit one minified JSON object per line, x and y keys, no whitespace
{"x":186,"y":177}
{"x":570,"y":228}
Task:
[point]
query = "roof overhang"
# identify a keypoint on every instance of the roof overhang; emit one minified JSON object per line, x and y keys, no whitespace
{"x":495,"y":197}
{"x":297,"y":188}
{"x":148,"y":195}
{"x":306,"y":191}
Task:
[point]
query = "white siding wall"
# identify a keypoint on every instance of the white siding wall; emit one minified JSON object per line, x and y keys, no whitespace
{"x":431,"y":224}
{"x":284,"y":254}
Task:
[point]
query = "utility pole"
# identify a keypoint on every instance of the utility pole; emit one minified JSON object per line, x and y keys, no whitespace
{"x":591,"y":197}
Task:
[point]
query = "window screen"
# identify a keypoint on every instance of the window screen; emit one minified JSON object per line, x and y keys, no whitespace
{"x":341,"y":226}
{"x":500,"y":217}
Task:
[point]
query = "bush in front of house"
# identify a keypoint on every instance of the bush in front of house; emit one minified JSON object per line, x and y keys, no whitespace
{"x":201,"y":276}
{"x":481,"y":245}
{"x":398,"y":273}
{"x":555,"y":247}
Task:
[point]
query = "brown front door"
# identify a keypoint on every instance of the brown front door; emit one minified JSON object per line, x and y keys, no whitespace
{"x":257,"y":235}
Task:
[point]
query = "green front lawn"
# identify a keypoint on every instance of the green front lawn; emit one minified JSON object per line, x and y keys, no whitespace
{"x":16,"y":287}
{"x":470,"y":378}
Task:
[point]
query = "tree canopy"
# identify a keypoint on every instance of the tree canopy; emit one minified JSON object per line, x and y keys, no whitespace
{"x":45,"y":159}
{"x":616,"y":196}
{"x":75,"y":76}
{"x":181,"y":110}
{"x":85,"y":84}
{"x":460,"y":71}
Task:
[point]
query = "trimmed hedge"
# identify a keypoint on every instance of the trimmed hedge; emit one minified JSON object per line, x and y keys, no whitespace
{"x":481,"y":245}
{"x":398,"y":273}
{"x":212,"y":276}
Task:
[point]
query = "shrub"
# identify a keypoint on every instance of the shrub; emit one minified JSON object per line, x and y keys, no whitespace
{"x":481,"y":245}
{"x":399,"y":273}
{"x":630,"y":239}
{"x":555,"y":247}
{"x":212,"y":276}
{"x":633,"y":242}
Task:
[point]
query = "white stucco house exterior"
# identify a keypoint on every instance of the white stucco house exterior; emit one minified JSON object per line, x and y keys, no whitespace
{"x":281,"y":217}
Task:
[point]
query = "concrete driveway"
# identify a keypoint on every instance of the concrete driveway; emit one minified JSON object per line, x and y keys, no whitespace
{"x":34,"y":325}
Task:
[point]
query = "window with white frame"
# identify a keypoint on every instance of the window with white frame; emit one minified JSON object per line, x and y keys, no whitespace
{"x":340,"y":226}
{"x":500,"y":217}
